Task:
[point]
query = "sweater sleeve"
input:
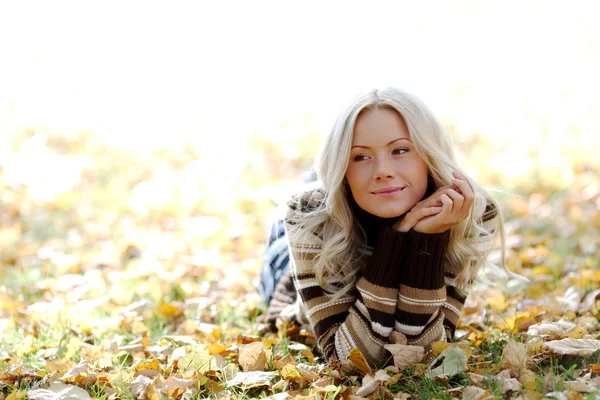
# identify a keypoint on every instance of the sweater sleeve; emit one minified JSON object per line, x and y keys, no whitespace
{"x":363,"y":318}
{"x":429,"y":302}
{"x":422,"y":291}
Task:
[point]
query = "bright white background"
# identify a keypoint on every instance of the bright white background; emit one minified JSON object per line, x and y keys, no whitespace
{"x":216,"y":73}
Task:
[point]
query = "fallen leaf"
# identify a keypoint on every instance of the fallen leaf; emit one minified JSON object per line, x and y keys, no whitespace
{"x":405,"y":355}
{"x":476,"y":393}
{"x":438,"y":347}
{"x":59,"y":391}
{"x":478,"y":380}
{"x":140,"y":385}
{"x":150,"y":369}
{"x":369,"y":385}
{"x":252,"y":379}
{"x":17,"y":395}
{"x":360,"y":362}
{"x":528,"y":379}
{"x":507,"y":384}
{"x":580,"y":386}
{"x":398,"y":338}
{"x":454,"y":362}
{"x":516,"y":357}
{"x":251,"y":357}
{"x":290,"y":373}
{"x":574,"y":347}
{"x":200,"y":361}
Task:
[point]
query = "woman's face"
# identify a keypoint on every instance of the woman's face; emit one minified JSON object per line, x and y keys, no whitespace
{"x":385,"y":174}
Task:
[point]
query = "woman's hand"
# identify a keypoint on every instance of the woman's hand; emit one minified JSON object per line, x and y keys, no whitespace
{"x":448,"y":206}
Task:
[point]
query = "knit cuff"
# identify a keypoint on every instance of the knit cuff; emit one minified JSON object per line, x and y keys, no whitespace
{"x":384,"y":266}
{"x":423,"y":266}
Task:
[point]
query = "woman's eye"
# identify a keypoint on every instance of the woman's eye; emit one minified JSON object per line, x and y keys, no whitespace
{"x":360,"y":157}
{"x":400,"y":150}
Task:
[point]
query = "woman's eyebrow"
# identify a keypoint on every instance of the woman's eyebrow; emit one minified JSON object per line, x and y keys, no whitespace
{"x":390,"y":143}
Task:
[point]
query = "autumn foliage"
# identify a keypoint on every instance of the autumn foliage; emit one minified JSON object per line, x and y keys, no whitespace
{"x":133,"y":275}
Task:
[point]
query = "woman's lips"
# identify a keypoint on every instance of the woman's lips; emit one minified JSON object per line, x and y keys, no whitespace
{"x":389,"y":191}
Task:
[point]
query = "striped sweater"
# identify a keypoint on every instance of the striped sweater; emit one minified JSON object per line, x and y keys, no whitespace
{"x":404,"y":287}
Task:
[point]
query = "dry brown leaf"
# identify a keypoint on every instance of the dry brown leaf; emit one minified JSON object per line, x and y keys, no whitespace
{"x":251,"y":357}
{"x":398,"y":338}
{"x":581,"y":386}
{"x":360,"y":362}
{"x":309,"y":372}
{"x":507,"y":384}
{"x":476,"y":393}
{"x":477,"y":380}
{"x":516,"y":357}
{"x":405,"y":355}
{"x":574,"y":347}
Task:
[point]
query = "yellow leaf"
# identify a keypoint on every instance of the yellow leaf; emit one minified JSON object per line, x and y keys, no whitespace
{"x":438,"y":347}
{"x":216,"y":348}
{"x":59,"y":366}
{"x":509,"y":322}
{"x":150,"y":365}
{"x":540,"y":270}
{"x":496,"y":300}
{"x":309,"y":355}
{"x":200,"y":361}
{"x":169,"y":311}
{"x":360,"y":362}
{"x":18,"y":395}
{"x":290,"y":373}
{"x":528,"y":379}
{"x":576,"y":332}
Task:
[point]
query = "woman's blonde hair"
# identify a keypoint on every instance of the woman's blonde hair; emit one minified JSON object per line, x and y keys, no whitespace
{"x":344,"y":243}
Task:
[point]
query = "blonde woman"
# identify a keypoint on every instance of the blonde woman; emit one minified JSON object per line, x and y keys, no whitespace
{"x":392,"y":238}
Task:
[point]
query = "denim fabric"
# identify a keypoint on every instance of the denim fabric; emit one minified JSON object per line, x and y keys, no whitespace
{"x":276,"y":261}
{"x":277,"y":258}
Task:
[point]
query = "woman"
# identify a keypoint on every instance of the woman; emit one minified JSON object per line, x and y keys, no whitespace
{"x":392,"y":239}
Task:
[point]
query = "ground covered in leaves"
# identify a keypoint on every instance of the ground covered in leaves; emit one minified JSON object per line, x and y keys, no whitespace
{"x":127,"y":275}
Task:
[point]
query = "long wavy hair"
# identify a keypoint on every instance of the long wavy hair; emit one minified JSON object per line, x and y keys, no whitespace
{"x":344,"y":243}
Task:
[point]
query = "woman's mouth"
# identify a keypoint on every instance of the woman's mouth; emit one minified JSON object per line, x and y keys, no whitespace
{"x":388,"y":191}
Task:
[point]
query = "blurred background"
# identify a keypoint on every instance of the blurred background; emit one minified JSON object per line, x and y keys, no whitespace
{"x":167,"y":132}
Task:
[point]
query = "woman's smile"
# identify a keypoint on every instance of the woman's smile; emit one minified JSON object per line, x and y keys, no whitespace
{"x":388,"y":191}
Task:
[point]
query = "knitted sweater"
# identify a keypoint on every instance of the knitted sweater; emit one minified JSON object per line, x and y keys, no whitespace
{"x":403,"y":287}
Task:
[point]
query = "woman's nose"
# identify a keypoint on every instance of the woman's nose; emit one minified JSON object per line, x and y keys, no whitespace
{"x":383,"y":169}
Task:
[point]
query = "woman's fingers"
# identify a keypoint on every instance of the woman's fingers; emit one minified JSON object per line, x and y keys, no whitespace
{"x":428,"y":211}
{"x":457,"y":200}
{"x":466,"y":189}
{"x":447,"y":206}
